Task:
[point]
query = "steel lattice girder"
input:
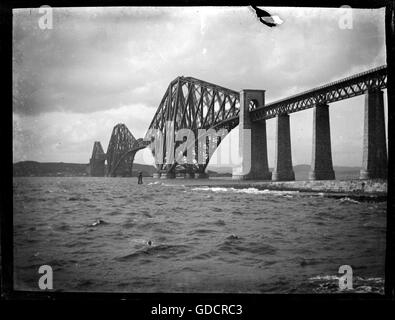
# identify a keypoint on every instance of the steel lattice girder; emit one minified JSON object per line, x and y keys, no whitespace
{"x":194,"y":104}
{"x":375,"y":79}
{"x":120,"y":143}
{"x":129,"y":155}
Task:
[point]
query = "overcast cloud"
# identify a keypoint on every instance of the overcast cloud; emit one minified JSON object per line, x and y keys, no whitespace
{"x":101,"y":66}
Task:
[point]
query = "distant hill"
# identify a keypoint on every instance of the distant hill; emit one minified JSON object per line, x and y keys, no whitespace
{"x":62,"y":169}
{"x":34,"y":168}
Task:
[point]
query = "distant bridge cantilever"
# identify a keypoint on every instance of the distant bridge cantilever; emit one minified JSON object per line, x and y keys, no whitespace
{"x":138,"y":145}
{"x":120,"y":153}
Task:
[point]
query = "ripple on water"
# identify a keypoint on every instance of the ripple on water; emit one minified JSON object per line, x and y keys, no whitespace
{"x":165,"y":251}
{"x":218,"y":222}
{"x":193,"y":237}
{"x":78,"y":198}
{"x":115,"y":213}
{"x":128,"y":225}
{"x":201,"y":231}
{"x":236,"y":246}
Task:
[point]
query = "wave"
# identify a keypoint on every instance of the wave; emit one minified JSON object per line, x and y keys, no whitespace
{"x":77,"y":198}
{"x":114,"y":213}
{"x":349,"y":200}
{"x":330,"y":283}
{"x":219,"y":222}
{"x":203,"y":256}
{"x":62,"y":227}
{"x":325,"y":215}
{"x":307,"y":262}
{"x":98,"y":222}
{"x":245,"y":190}
{"x":326,"y":277}
{"x":77,"y":243}
{"x":148,"y":225}
{"x":153,"y":183}
{"x":167,"y":250}
{"x":145,"y":197}
{"x":82,"y":284}
{"x":201,"y":231}
{"x":232,"y":236}
{"x":214,"y":189}
{"x":172,"y":185}
{"x":234,"y":246}
{"x":60,"y":263}
{"x":128,"y":225}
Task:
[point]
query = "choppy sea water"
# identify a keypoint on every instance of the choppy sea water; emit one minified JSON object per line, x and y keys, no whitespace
{"x":95,"y":233}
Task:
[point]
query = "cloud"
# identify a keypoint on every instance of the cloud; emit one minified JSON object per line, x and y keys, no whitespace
{"x":69,"y":137}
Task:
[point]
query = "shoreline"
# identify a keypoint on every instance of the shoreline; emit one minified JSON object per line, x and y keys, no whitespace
{"x":361,"y":190}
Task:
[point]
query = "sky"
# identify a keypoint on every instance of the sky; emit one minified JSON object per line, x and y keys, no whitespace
{"x":97,"y":67}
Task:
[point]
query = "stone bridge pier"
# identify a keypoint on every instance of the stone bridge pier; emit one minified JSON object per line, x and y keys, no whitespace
{"x":252,"y":139}
{"x":97,"y":161}
{"x":374,"y":159}
{"x":321,"y":162}
{"x":283,"y":170}
{"x":253,"y":142}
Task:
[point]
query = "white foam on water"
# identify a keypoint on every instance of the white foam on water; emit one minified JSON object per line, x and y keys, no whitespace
{"x":375,"y":279}
{"x":173,"y":185}
{"x":347,"y":199}
{"x":325,"y":278}
{"x":137,"y":241}
{"x":214,"y":189}
{"x":245,"y":190}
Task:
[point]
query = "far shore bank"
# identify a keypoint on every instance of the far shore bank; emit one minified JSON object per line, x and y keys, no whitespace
{"x":361,"y":190}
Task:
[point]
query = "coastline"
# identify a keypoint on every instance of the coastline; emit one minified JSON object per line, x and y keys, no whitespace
{"x":361,"y":190}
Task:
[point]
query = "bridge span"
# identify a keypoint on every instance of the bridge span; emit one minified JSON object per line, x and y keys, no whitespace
{"x":193,"y":104}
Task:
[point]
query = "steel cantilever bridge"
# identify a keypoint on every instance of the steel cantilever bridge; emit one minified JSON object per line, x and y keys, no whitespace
{"x":194,"y":104}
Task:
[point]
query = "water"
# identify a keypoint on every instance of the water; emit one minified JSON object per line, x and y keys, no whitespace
{"x":94,"y":233}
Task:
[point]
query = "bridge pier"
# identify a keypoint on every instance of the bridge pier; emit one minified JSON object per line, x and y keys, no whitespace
{"x":252,"y":140}
{"x":374,"y":160}
{"x":168,"y":175}
{"x":201,"y":175}
{"x":96,"y":168}
{"x":189,"y":175}
{"x":321,"y":164}
{"x":96,"y":162}
{"x":283,"y":170}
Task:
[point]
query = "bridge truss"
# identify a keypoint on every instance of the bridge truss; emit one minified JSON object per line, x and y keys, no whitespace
{"x":119,"y":157}
{"x":193,"y":104}
{"x":375,"y":79}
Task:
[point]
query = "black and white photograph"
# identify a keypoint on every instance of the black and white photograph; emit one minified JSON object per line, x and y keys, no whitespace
{"x":202,"y":149}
